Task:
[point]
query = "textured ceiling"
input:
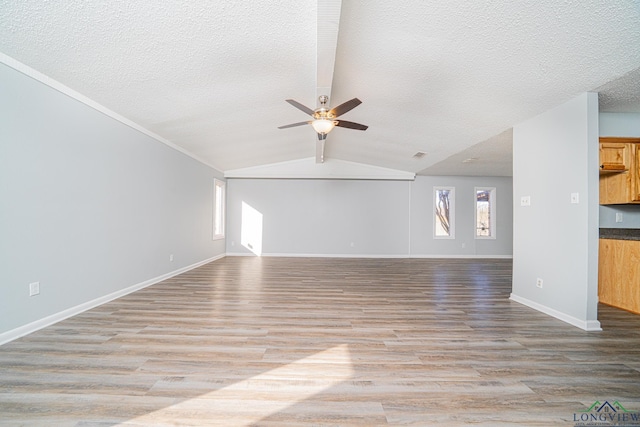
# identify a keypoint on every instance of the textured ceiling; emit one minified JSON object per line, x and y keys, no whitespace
{"x":446,"y":78}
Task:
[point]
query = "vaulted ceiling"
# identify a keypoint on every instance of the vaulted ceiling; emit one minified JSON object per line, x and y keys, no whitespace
{"x":446,"y":78}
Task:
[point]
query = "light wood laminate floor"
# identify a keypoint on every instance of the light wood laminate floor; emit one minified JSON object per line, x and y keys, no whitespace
{"x":320,"y":342}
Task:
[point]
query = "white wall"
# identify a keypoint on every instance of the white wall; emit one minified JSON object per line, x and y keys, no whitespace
{"x":620,"y":124}
{"x":556,"y":154}
{"x":320,"y":217}
{"x":89,"y":207}
{"x":359,"y":217}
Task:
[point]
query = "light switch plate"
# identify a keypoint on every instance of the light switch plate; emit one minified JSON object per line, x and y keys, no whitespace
{"x":575,"y":198}
{"x":34,"y":288}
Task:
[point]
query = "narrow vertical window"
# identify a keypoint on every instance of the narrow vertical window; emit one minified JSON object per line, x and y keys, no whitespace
{"x":218,"y":208}
{"x":444,"y":198}
{"x":485,"y":213}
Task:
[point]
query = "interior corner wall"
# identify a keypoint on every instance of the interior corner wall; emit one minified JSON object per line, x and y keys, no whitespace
{"x":359,"y":218}
{"x":89,"y":206}
{"x":555,"y":155}
{"x":622,"y":125}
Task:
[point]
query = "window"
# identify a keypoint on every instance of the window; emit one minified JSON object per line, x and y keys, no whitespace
{"x":218,"y":209}
{"x":485,"y":216}
{"x":443,"y":215}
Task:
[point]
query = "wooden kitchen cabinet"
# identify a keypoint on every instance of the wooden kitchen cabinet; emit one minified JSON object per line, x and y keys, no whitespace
{"x":614,"y":157}
{"x":619,"y":274}
{"x":619,"y":170}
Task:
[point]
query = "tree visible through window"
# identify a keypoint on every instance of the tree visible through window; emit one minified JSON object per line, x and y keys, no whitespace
{"x":485,"y":212}
{"x":443,"y":212}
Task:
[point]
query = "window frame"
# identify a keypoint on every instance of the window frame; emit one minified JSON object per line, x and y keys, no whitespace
{"x":492,"y":212}
{"x":452,"y":210}
{"x":219,"y":209}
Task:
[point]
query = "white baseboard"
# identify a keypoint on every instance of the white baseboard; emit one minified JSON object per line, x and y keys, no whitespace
{"x":21,"y":331}
{"x":285,"y":255}
{"x":464,"y":256}
{"x":297,"y":255}
{"x":587,"y":325}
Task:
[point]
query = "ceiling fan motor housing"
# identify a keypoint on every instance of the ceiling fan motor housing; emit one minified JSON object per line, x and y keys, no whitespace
{"x":323,"y":113}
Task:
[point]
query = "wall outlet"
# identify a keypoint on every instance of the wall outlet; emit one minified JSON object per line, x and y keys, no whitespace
{"x":525,"y":201}
{"x":539,"y":282}
{"x":619,"y":216}
{"x":171,"y":257}
{"x":34,"y":288}
{"x":464,"y":245}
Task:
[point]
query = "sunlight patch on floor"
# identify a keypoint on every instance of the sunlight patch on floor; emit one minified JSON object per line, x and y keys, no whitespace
{"x":271,"y":392}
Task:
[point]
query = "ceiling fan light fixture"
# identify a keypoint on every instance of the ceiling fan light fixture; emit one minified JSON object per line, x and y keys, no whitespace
{"x":323,"y":126}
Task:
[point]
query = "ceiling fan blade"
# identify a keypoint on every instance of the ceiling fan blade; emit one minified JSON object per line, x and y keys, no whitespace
{"x":351,"y":125}
{"x":300,"y":107}
{"x":292,"y":125}
{"x":345,"y":107}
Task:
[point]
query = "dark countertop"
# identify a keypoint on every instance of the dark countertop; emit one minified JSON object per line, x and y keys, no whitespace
{"x":620,"y":233}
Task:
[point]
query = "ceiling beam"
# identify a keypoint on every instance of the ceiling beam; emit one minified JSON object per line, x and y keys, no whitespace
{"x":328,"y":24}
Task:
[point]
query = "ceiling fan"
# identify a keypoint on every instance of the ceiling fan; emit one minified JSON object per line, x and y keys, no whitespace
{"x":325,"y":119}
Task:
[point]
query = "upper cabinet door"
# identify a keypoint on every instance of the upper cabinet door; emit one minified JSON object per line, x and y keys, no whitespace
{"x":619,"y":170}
{"x":635,"y":176}
{"x":614,"y":156}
